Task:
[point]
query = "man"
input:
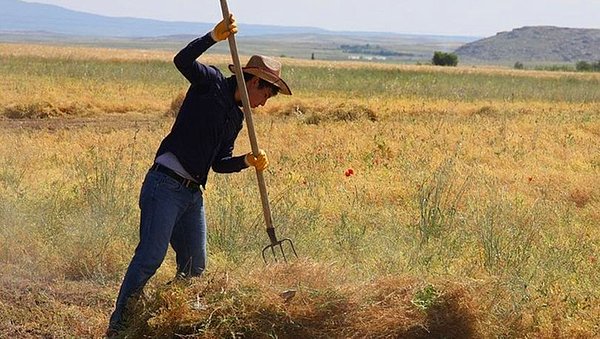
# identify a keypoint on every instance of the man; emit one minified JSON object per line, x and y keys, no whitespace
{"x":202,"y":137}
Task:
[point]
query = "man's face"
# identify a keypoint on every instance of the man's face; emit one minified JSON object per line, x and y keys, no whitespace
{"x":258,"y":96}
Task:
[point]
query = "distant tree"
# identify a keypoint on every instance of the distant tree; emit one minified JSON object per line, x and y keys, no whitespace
{"x":444,"y":59}
{"x":583,"y":66}
{"x":519,"y":65}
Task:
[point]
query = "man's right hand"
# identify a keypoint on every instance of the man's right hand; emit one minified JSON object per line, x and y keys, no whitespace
{"x":224,"y":29}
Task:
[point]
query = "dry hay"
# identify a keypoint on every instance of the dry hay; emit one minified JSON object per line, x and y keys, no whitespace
{"x":325,"y":306}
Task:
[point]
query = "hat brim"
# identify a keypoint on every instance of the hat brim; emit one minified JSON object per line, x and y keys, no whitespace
{"x":268,"y":77}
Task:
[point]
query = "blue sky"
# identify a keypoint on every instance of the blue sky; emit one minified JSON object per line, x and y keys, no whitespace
{"x":457,"y":17}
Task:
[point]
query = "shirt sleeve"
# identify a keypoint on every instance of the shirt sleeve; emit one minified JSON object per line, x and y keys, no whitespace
{"x":185,"y":61}
{"x":225,"y":162}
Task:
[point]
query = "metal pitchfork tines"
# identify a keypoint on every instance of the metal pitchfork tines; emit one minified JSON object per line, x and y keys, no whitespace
{"x":262,"y":186}
{"x":277,"y":243}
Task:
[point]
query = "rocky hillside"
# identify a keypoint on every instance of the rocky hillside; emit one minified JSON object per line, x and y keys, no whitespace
{"x":535,"y":44}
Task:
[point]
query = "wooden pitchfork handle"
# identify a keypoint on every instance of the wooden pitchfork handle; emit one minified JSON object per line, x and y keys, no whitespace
{"x":250,"y":125}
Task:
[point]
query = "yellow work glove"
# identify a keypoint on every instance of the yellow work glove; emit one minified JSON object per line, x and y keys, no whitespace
{"x":260,"y":162}
{"x":224,"y":28}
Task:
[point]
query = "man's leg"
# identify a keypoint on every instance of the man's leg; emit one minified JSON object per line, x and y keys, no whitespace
{"x":189,"y":239}
{"x":161,"y":202}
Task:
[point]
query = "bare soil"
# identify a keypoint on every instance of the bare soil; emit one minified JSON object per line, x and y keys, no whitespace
{"x":104,"y":122}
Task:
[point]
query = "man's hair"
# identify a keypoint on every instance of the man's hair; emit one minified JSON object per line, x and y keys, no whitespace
{"x":262,"y":83}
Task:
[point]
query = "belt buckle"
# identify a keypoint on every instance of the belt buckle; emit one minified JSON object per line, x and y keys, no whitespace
{"x":190,"y":184}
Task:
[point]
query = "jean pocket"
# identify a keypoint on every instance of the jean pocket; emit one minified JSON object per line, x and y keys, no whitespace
{"x":171,"y":183}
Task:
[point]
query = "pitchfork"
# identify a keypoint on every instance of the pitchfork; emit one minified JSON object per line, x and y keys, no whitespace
{"x":254,"y":143}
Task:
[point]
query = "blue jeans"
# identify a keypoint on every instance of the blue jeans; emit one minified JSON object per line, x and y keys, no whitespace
{"x":170,"y":213}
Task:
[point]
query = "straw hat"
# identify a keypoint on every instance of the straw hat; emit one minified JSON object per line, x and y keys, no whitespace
{"x":267,"y":69}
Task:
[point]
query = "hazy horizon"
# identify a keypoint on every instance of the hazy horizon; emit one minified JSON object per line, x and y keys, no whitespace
{"x":462,"y":17}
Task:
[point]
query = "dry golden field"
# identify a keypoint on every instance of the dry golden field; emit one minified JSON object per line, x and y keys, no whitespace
{"x":473,"y":209}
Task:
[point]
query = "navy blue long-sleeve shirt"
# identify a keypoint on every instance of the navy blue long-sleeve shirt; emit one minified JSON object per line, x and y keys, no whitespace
{"x":209,"y":120}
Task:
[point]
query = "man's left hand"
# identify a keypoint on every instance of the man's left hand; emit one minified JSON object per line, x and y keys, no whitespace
{"x":260,"y":162}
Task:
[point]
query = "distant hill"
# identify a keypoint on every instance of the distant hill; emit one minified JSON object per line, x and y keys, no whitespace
{"x":535,"y":44}
{"x":40,"y":23}
{"x":20,"y":16}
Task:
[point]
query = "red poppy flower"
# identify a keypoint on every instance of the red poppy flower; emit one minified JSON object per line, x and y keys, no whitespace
{"x":349,"y":172}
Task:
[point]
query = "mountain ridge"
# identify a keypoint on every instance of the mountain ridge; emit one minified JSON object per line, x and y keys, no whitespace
{"x":535,"y":44}
{"x":24,"y":16}
{"x":30,"y":16}
{"x":22,"y":21}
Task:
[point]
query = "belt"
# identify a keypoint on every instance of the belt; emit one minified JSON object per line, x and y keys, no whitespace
{"x":187,"y":183}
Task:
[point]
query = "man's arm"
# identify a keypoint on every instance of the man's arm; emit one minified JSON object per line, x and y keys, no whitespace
{"x":225,"y":162}
{"x":186,"y":63}
{"x":185,"y":60}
